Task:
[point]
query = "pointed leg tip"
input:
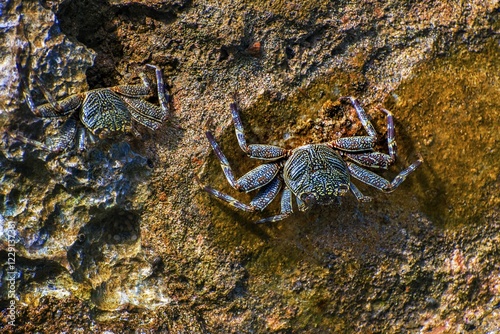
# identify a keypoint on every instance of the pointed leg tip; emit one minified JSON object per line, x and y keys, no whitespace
{"x":234,"y":107}
{"x":347,"y":98}
{"x":198,"y":182}
{"x":385,"y":111}
{"x":209,"y":136}
{"x":420,"y":158}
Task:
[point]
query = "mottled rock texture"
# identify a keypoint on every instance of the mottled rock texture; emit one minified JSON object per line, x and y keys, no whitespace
{"x":120,"y":237}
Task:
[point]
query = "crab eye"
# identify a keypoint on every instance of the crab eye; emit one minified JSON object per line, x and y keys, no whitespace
{"x":343,"y":188}
{"x":308,"y":198}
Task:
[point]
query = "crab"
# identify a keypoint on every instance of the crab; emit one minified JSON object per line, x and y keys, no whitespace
{"x":102,"y":111}
{"x":313,"y":174}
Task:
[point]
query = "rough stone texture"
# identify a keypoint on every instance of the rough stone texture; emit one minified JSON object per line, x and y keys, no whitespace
{"x":32,"y":37}
{"x":120,"y":238}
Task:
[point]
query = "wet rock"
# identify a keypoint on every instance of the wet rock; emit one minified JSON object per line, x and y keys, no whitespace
{"x":33,"y":39}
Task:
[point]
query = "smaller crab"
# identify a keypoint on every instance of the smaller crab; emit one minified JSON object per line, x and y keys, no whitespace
{"x":314,"y":173}
{"x":102,"y":111}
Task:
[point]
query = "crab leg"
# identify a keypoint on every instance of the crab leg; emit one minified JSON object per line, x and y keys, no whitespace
{"x":67,"y":134}
{"x":258,"y":177}
{"x":366,"y":143}
{"x":229,"y":199}
{"x":379,"y":182}
{"x":378,"y":159}
{"x":64,"y":107}
{"x":257,"y":151}
{"x":286,"y":208}
{"x":27,"y":94}
{"x":359,"y":196}
{"x":353,"y":144}
{"x":144,"y":89}
{"x":391,"y":136}
{"x":254,"y":179}
{"x":28,"y":141}
{"x":357,"y":143}
{"x":371,"y":159}
{"x":52,"y":108}
{"x":80,"y":137}
{"x":145,"y":112}
{"x":265,"y":196}
{"x":363,"y":117}
{"x":162,"y":94}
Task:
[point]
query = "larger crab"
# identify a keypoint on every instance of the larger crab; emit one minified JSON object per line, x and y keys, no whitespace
{"x":102,"y":111}
{"x":314,"y":173}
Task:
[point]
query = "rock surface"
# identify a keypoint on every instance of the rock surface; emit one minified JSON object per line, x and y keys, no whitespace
{"x":120,"y":238}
